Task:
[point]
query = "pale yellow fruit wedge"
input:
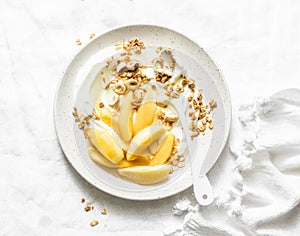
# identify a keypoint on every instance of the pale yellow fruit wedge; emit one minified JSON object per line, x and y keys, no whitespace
{"x":154,"y":147}
{"x":99,"y":159}
{"x":126,"y":118}
{"x":115,"y":124}
{"x":139,"y":161}
{"x":97,"y":84}
{"x":146,"y":174}
{"x":146,"y":112}
{"x":142,"y":140}
{"x":105,"y":144}
{"x":164,"y":151}
{"x":104,"y":114}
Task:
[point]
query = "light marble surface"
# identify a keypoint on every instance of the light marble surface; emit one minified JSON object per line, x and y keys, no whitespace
{"x":255,"y":43}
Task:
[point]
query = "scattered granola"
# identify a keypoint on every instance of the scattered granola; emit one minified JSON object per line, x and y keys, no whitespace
{"x":162,"y":77}
{"x":94,"y":223}
{"x":82,"y":200}
{"x":212,"y":104}
{"x":113,"y":100}
{"x":171,"y":118}
{"x":178,"y":160}
{"x":92,"y":36}
{"x":78,"y":42}
{"x":175,"y":150}
{"x":87,"y":208}
{"x":158,"y":50}
{"x":132,"y":45}
{"x":120,"y":87}
{"x":101,"y":104}
{"x":138,"y":96}
{"x":103,"y":212}
{"x":81,"y":119}
{"x":177,"y":142}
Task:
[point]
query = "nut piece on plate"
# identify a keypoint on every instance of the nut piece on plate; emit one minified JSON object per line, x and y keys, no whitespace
{"x":113,"y":99}
{"x":171,"y":118}
{"x":132,"y":84}
{"x":162,"y":100}
{"x":120,"y":87}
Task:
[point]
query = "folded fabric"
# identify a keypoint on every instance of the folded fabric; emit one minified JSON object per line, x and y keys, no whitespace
{"x":262,"y":196}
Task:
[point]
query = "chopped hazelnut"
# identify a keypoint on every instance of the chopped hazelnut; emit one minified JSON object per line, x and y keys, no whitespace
{"x":177,"y":142}
{"x":103,"y":212}
{"x":94,"y":223}
{"x":87,"y":208}
{"x":101,"y":104}
{"x":78,"y":42}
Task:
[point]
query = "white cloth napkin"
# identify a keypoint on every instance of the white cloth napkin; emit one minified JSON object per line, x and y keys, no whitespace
{"x":262,"y":196}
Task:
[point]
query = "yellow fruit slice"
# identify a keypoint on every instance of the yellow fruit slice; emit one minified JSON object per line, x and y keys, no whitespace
{"x":125,"y":119}
{"x":97,"y":84}
{"x":115,"y":124}
{"x":164,"y":151}
{"x":139,"y":161}
{"x":146,"y":174}
{"x":154,"y":147}
{"x":104,"y":114}
{"x":142,"y":140}
{"x":99,"y":159}
{"x":105,"y":144}
{"x":145,"y":113}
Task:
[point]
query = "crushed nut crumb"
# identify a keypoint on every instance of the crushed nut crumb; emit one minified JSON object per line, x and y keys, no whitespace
{"x":94,"y":223}
{"x":74,"y":112}
{"x":175,"y":150}
{"x":181,"y":164}
{"x":158,"y":50}
{"x":103,"y":212}
{"x":212,"y":104}
{"x":78,"y":42}
{"x":101,"y":104}
{"x":177,"y":142}
{"x":87,"y":208}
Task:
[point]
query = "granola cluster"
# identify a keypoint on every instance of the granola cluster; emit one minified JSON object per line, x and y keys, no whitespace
{"x":88,"y":207}
{"x":82,"y":120}
{"x":133,"y":45}
{"x":199,"y":113}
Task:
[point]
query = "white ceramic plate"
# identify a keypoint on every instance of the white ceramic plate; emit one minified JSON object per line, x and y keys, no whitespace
{"x":199,"y":66}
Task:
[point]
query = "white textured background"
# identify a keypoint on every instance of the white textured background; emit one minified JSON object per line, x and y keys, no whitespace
{"x":255,"y":43}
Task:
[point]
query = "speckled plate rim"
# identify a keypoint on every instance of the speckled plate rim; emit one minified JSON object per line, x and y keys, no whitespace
{"x":65,"y":133}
